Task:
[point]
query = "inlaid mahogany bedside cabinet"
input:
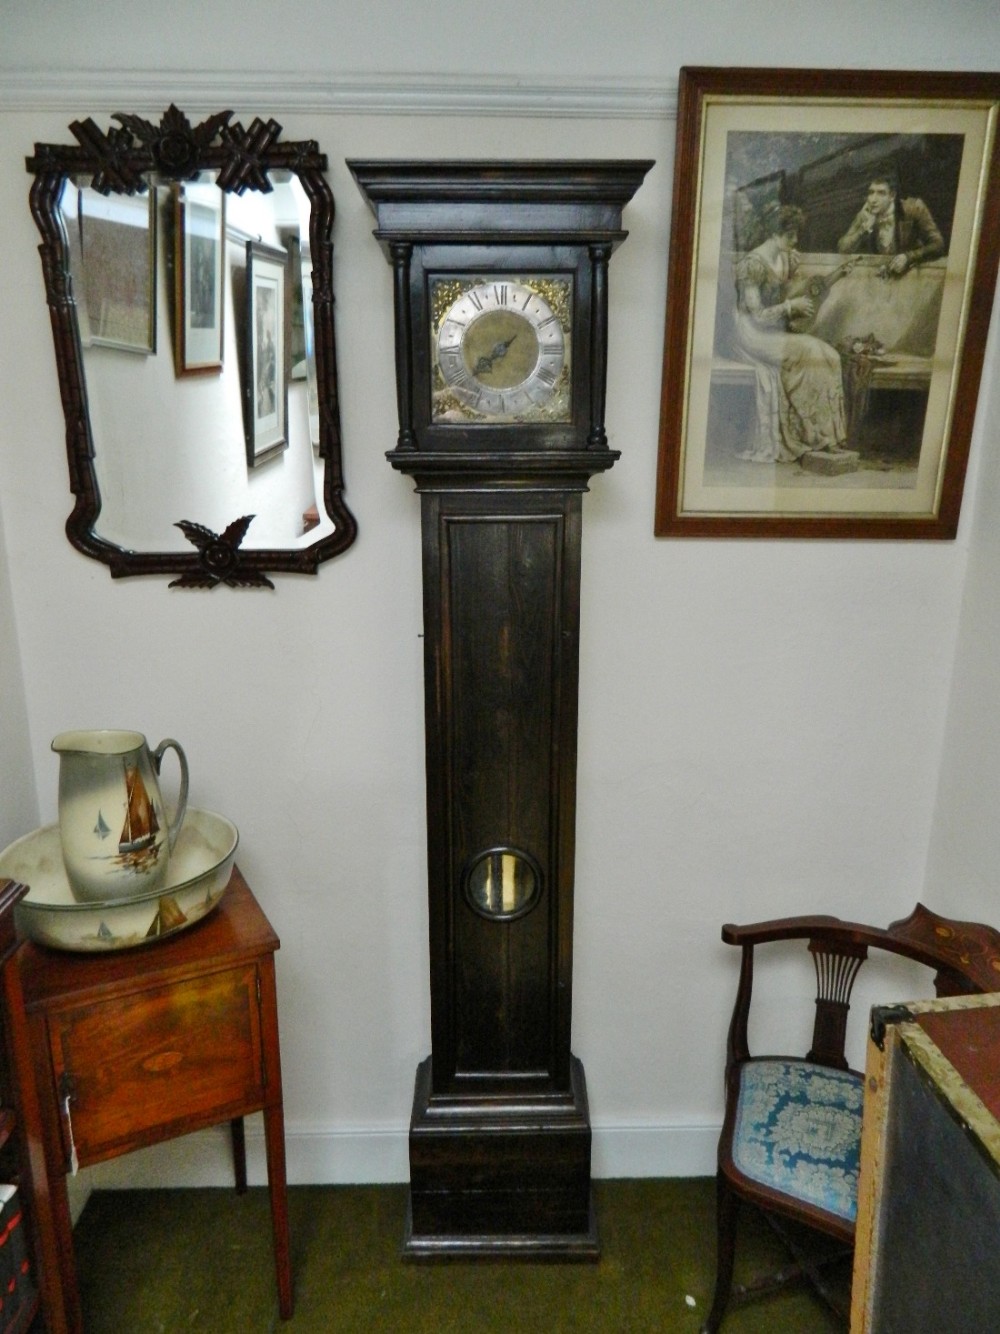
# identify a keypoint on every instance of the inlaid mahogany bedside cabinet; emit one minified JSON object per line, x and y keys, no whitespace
{"x":140,"y":1046}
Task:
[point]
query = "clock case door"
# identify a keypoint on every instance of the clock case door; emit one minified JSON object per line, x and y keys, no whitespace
{"x":501,"y":618}
{"x":500,"y":1137}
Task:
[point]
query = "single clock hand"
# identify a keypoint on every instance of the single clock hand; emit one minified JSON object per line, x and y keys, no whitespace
{"x":485,"y":364}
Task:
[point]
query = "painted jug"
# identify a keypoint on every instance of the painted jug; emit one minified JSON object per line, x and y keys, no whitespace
{"x":115,"y":835}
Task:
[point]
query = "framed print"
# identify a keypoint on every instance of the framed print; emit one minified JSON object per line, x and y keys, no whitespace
{"x":833,"y":259}
{"x":117,"y":254}
{"x":265,"y":383}
{"x":199,"y":277}
{"x":295,"y":313}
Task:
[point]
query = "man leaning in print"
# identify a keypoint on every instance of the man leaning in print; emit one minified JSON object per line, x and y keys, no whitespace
{"x":901,"y":229}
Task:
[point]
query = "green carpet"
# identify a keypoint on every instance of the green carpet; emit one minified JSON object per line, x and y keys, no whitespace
{"x":168,"y":1261}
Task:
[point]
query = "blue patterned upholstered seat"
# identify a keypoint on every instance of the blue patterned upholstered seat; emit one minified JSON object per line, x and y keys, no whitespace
{"x":798,"y":1130}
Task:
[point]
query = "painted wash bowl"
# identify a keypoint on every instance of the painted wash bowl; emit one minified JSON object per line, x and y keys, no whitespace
{"x":200,"y":867}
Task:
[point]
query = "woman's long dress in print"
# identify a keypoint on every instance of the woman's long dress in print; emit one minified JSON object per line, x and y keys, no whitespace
{"x":800,"y":391}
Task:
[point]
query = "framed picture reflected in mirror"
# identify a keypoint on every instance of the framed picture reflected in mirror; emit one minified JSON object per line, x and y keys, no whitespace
{"x":116,"y":242}
{"x":199,"y":277}
{"x":265,"y":388}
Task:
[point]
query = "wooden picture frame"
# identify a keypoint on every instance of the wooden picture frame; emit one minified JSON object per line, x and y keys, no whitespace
{"x":265,"y":383}
{"x":288,"y":238}
{"x":116,"y":235}
{"x":309,"y":330}
{"x":833,"y":259}
{"x":199,"y":277}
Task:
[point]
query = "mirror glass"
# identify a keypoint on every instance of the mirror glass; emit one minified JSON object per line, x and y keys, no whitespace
{"x":189,"y":278}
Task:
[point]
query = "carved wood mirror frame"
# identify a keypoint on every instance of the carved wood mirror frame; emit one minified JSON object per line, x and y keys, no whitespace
{"x":120,"y":161}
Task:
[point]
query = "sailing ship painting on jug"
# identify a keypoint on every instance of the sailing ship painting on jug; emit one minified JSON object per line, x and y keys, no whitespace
{"x":106,"y":777}
{"x":138,"y":844}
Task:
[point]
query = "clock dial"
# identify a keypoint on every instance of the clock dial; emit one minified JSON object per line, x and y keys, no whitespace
{"x":501,"y":349}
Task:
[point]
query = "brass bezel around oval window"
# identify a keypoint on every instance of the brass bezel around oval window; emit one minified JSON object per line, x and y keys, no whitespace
{"x":494,"y":860}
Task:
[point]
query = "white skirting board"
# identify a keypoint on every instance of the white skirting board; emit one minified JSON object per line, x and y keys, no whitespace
{"x":321,"y":1156}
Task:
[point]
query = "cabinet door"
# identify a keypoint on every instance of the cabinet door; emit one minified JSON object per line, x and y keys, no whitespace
{"x":141,"y":1067}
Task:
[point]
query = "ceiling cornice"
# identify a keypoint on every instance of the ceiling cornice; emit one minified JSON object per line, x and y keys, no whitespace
{"x":195,"y":91}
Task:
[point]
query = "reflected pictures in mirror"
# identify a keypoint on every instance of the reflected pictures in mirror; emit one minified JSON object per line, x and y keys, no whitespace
{"x":199,"y":224}
{"x":114,"y":238}
{"x":266,"y":350}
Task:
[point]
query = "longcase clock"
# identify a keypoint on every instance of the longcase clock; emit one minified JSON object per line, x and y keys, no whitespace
{"x":501,"y":304}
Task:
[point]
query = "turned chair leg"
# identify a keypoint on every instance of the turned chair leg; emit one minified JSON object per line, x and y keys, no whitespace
{"x":727,"y":1206}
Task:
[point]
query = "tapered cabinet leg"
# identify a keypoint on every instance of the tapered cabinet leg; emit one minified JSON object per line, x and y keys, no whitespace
{"x":274,"y":1131}
{"x":274,"y":1137}
{"x":238,"y":1133}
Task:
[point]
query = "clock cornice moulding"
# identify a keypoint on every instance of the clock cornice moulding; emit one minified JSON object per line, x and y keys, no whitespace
{"x":430,"y":94}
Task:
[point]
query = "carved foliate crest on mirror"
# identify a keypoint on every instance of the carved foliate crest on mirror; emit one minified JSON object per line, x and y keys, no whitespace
{"x":189,"y":276}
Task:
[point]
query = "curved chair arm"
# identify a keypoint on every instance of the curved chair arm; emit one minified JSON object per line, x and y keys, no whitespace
{"x":965,"y":955}
{"x":779,"y":928}
{"x":968,"y":953}
{"x":821,"y":928}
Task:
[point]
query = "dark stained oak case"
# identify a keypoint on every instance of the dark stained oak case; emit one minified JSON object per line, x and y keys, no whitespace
{"x":500,"y":1133}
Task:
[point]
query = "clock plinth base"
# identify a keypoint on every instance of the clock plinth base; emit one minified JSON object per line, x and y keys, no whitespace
{"x":500,"y":1178}
{"x":531,"y":1246}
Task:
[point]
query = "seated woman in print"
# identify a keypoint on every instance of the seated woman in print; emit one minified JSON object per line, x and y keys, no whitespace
{"x":799,"y":386}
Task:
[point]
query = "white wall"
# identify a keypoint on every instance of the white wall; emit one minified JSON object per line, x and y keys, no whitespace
{"x":18,"y":805}
{"x":578,"y":40}
{"x":761,"y":723}
{"x":964,"y":859}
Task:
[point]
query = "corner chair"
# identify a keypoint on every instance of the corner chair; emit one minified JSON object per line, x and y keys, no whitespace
{"x":791,"y":1137}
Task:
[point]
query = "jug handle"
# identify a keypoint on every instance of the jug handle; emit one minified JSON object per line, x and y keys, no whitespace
{"x":174,"y":826}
